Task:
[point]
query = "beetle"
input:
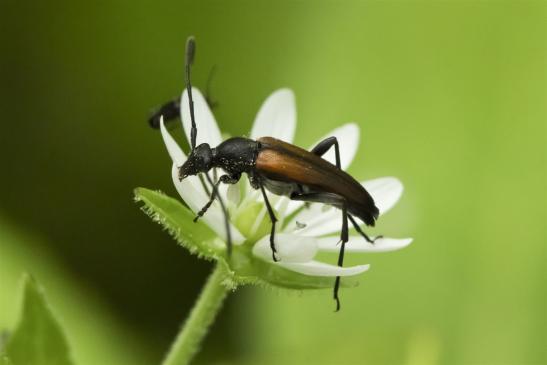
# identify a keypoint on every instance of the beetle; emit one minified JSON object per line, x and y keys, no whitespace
{"x":277,"y":167}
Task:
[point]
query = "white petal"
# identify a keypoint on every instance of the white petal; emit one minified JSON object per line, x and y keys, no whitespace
{"x":276,"y":117}
{"x":293,"y":206}
{"x":233,"y":194}
{"x":173,"y":148}
{"x":319,"y":222}
{"x":348,"y":140}
{"x":359,"y":244}
{"x":385,"y":191}
{"x":290,"y":248}
{"x":250,"y":196}
{"x":284,"y":206}
{"x":195,"y":198}
{"x":258,"y":219}
{"x":178,"y":157}
{"x":316,"y":268}
{"x":281,"y":205}
{"x":189,"y":190}
{"x":206,"y":124}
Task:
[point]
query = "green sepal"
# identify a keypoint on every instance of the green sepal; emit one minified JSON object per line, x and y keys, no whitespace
{"x":242,"y":267}
{"x":178,"y":220}
{"x":38,"y":338}
{"x":256,"y":271}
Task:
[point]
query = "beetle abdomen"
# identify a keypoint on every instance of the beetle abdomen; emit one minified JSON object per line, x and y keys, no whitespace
{"x":281,"y":161}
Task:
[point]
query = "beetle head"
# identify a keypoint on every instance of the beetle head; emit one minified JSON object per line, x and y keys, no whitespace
{"x":200,"y":160}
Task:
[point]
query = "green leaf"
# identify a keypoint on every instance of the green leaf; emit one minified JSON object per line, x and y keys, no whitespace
{"x":38,"y":338}
{"x":179,"y":222}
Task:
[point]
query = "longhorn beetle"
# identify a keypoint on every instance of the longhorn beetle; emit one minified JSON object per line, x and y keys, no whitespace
{"x":278,"y":167}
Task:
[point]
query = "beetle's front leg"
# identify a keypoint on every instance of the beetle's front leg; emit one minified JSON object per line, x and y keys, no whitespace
{"x":273,"y":219}
{"x":226,"y":179}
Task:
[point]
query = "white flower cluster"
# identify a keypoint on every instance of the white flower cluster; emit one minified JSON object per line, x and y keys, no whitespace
{"x":303,"y":231}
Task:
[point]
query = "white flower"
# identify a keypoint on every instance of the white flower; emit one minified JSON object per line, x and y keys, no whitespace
{"x":303,"y":231}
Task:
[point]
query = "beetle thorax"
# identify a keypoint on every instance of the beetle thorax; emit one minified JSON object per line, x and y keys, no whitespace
{"x":235,"y":155}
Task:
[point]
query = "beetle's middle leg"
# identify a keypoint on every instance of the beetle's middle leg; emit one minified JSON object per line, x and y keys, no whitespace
{"x":273,"y":219}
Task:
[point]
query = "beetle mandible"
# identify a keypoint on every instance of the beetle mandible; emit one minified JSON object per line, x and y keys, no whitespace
{"x":275,"y":166}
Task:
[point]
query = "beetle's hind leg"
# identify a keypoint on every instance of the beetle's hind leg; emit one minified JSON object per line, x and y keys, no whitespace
{"x":336,"y":200}
{"x":273,"y":219}
{"x":323,"y":147}
{"x":344,"y":237}
{"x":360,"y":231}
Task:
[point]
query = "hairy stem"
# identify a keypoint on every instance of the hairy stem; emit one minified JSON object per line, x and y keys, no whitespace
{"x":195,"y":328}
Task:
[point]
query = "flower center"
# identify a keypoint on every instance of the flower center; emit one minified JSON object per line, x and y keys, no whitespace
{"x":252,"y":221}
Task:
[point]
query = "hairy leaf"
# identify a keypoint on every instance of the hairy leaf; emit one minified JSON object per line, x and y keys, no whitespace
{"x":178,"y":221}
{"x":242,"y":267}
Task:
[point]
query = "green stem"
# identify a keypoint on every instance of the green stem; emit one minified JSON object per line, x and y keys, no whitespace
{"x":197,"y":325}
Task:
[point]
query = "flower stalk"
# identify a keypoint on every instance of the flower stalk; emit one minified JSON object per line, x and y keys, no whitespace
{"x":192,"y":333}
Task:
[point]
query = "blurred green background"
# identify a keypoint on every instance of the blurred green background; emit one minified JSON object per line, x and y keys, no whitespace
{"x":450,"y":96}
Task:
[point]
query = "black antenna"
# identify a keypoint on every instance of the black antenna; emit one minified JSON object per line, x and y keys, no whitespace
{"x":190,"y":52}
